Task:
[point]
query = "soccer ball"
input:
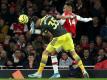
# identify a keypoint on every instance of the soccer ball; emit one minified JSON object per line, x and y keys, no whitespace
{"x":23,"y":19}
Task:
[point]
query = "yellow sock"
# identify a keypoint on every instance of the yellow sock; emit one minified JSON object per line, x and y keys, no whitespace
{"x":42,"y":63}
{"x":41,"y":68}
{"x":79,"y":61}
{"x":81,"y":65}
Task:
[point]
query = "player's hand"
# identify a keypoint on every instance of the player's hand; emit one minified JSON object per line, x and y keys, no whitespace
{"x":91,"y":19}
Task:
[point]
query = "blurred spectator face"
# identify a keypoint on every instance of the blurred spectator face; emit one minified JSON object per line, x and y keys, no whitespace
{"x":1,"y":22}
{"x":1,"y":47}
{"x":44,"y":46}
{"x":3,"y":54}
{"x":64,"y":56}
{"x":97,"y":4}
{"x":12,"y":10}
{"x":28,"y":4}
{"x":79,"y":4}
{"x":77,"y":48}
{"x":30,"y":11}
{"x":4,"y":1}
{"x":33,"y":52}
{"x":29,"y":48}
{"x":31,"y":58}
{"x":3,"y":7}
{"x":7,"y":38}
{"x":46,"y":2}
{"x":92,"y":45}
{"x":95,"y":21}
{"x":35,"y":7}
{"x":98,"y":40}
{"x":12,"y":45}
{"x":43,"y":13}
{"x":84,"y":40}
{"x":18,"y":53}
{"x":22,"y":38}
{"x":86,"y":53}
{"x":104,"y":45}
{"x":101,"y":52}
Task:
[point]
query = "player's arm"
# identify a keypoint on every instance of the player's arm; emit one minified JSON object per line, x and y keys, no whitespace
{"x":33,"y":30}
{"x":34,"y":27}
{"x":63,"y":17}
{"x":79,"y":18}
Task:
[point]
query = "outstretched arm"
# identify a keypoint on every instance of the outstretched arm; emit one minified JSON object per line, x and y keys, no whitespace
{"x":79,"y":18}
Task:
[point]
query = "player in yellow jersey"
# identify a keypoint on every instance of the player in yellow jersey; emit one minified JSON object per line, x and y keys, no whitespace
{"x":61,"y":39}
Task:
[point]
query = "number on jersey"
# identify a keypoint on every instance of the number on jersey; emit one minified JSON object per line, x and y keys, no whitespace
{"x":54,"y":23}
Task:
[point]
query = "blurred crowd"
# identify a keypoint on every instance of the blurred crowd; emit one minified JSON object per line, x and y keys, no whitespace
{"x":19,"y":48}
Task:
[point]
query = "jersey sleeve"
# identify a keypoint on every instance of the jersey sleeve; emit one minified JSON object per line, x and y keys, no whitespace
{"x":61,"y":21}
{"x":79,"y":18}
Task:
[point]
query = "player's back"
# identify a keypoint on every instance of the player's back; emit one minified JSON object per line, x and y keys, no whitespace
{"x":49,"y":23}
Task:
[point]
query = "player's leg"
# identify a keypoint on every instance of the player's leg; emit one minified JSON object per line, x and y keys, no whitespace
{"x":69,"y":46}
{"x":79,"y":63}
{"x":55,"y":66}
{"x":54,"y":59}
{"x":43,"y":62}
{"x":50,"y":49}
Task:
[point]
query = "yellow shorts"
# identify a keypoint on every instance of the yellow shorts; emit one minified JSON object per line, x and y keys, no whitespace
{"x":64,"y":42}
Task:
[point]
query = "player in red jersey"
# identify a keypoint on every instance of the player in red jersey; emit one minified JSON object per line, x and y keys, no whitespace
{"x":69,"y":21}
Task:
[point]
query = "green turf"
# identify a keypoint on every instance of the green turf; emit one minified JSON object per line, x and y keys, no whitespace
{"x":61,"y":79}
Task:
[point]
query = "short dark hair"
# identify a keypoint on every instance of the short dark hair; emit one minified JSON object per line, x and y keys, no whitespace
{"x":69,"y":4}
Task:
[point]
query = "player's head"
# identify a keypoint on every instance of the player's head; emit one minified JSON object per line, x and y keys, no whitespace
{"x":67,"y":7}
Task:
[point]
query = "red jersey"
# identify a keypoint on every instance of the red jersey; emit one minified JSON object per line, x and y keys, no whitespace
{"x":19,"y":28}
{"x":70,"y":24}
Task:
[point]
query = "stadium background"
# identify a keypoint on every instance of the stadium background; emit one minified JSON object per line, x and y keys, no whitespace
{"x":17,"y":47}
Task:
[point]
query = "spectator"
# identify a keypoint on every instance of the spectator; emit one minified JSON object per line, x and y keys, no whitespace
{"x":28,"y":49}
{"x":9,"y":64}
{"x":98,"y":41}
{"x":4,"y":12}
{"x":21,"y":42}
{"x":101,"y":60}
{"x":87,"y":59}
{"x":3,"y":57}
{"x":93,"y":51}
{"x":103,"y":31}
{"x":101,"y":55}
{"x":38,"y":44}
{"x":78,"y":49}
{"x":3,"y":29}
{"x":12,"y":14}
{"x":84,"y":42}
{"x":18,"y":28}
{"x":104,"y":44}
{"x":31,"y":62}
{"x":96,"y":26}
{"x":65,"y":60}
{"x":6,"y":41}
{"x":18,"y":57}
{"x":43,"y":13}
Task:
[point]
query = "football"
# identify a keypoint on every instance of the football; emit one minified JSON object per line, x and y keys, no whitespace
{"x":23,"y":19}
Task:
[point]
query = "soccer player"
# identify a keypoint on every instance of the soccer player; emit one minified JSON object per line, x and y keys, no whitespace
{"x":61,"y":39}
{"x":69,"y":20}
